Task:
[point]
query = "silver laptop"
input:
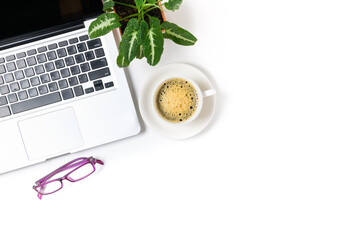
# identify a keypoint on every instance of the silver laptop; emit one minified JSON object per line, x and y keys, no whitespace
{"x":60,"y":92}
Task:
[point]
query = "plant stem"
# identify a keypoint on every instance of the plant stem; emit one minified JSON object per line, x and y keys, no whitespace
{"x":124,"y":4}
{"x":149,"y":9}
{"x":130,"y":16}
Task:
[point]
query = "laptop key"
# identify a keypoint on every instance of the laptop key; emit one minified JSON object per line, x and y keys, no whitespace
{"x":11,"y":66}
{"x":59,"y":64}
{"x":95,"y":43}
{"x":99,"y":74}
{"x":73,"y":81}
{"x":79,"y":91}
{"x":89,"y":55}
{"x":45,"y":78}
{"x":19,"y":75}
{"x":35,"y":81}
{"x":23,"y":95}
{"x":39,"y":69}
{"x":98,"y":84}
{"x":2,"y":69}
{"x":29,"y":72}
{"x":42,"y":49}
{"x":71,"y":50}
{"x":41,"y":58}
{"x":67,"y":94}
{"x":24,"y":84}
{"x":81,"y":47}
{"x":61,"y":52}
{"x":89,"y":90}
{"x":85,"y":67}
{"x":52,"y":46}
{"x":1,"y":80}
{"x":99,"y":63}
{"x":73,"y":40}
{"x":69,"y":61}
{"x":55,"y":75}
{"x":9,"y":77}
{"x":4,"y":90}
{"x":14,"y":87}
{"x":84,"y":38}
{"x":31,"y":52}
{"x":75,"y":70}
{"x":20,"y":55}
{"x":4,"y":112}
{"x":63,"y":43}
{"x":43,"y":89}
{"x":109,"y":84}
{"x":99,"y":52}
{"x":63,"y":84}
{"x":10,"y":58}
{"x":51,"y":55}
{"x":3,"y":101}
{"x":53,"y":86}
{"x":12,"y":98}
{"x":2,"y":60}
{"x":35,"y":102}
{"x":33,"y":92}
{"x":65,"y":73}
{"x":83,"y":78}
{"x":49,"y":66}
{"x":21,"y":64}
{"x":31,"y":61}
{"x":79,"y":58}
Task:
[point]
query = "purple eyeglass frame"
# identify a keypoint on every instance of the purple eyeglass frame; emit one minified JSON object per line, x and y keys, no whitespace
{"x":76,"y":163}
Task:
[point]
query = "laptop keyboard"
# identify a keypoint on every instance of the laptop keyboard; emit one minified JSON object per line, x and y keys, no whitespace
{"x":51,"y":74}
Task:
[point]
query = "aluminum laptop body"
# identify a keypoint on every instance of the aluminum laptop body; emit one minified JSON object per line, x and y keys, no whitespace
{"x":60,"y":92}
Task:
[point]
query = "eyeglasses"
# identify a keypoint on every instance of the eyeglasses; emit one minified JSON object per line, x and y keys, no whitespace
{"x":84,"y":167}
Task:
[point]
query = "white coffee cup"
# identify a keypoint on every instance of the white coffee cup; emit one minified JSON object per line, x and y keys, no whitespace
{"x":200,"y":100}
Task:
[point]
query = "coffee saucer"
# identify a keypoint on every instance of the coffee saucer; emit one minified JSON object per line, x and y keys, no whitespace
{"x":182,"y":131}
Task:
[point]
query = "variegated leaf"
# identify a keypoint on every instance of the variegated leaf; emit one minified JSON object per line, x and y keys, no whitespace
{"x":108,"y":5}
{"x":173,"y":4}
{"x":121,"y":60}
{"x":154,"y":42}
{"x":132,"y":38}
{"x":104,"y":24}
{"x":178,"y":34}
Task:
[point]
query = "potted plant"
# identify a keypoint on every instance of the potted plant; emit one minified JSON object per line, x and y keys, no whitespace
{"x":143,"y":33}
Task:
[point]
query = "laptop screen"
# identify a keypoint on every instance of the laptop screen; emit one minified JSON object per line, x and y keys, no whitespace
{"x":21,"y":17}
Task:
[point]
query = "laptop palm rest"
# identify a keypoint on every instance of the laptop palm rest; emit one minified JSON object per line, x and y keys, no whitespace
{"x":51,"y":134}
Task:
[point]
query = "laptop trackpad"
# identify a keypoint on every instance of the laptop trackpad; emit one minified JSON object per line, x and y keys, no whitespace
{"x":51,"y":134}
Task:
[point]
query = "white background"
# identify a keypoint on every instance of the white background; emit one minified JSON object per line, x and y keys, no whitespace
{"x":280,"y":159}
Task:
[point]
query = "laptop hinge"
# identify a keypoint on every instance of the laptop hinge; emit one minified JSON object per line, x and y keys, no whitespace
{"x":39,"y":35}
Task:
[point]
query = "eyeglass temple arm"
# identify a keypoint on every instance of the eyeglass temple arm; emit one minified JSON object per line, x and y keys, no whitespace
{"x":67,"y":166}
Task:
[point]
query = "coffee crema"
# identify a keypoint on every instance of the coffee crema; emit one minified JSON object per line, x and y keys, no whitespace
{"x":176,"y":100}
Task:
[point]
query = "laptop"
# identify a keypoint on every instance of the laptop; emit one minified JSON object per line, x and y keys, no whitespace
{"x":60,"y":92}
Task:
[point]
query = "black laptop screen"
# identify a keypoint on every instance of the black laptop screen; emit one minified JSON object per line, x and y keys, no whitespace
{"x":19,"y":17}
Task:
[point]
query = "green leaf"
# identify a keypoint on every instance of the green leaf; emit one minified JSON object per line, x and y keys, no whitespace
{"x":139,"y":3}
{"x":178,"y":34}
{"x":173,"y":4}
{"x":104,"y":24}
{"x":143,"y":30}
{"x":121,"y":60}
{"x":132,"y":38}
{"x":154,"y":42}
{"x":151,"y":1}
{"x":108,"y":5}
